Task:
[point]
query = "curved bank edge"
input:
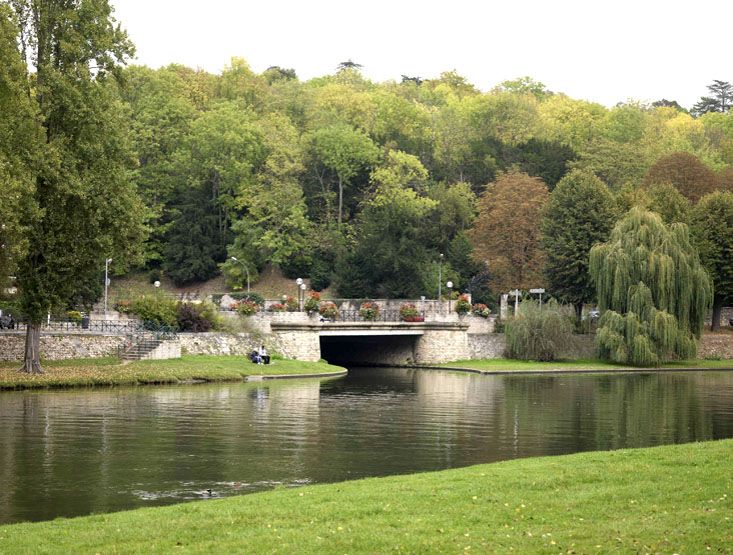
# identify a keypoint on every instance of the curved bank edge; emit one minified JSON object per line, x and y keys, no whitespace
{"x":262,"y":378}
{"x":620,"y":370}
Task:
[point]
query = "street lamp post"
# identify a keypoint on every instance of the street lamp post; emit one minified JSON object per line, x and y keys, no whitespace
{"x":302,"y":296}
{"x":440,"y":275}
{"x":106,"y":283}
{"x":449,"y":285}
{"x":246,"y":269}
{"x":299,"y":283}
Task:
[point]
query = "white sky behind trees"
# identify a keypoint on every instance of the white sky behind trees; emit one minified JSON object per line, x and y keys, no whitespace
{"x":598,"y":50}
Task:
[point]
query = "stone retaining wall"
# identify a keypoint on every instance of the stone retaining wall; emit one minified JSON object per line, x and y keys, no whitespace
{"x":214,"y":343}
{"x":62,"y":346}
{"x":716,"y":345}
{"x":489,"y":345}
{"x":306,"y":346}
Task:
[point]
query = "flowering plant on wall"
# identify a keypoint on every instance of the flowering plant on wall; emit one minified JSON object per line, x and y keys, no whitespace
{"x":247,"y":307}
{"x":328,"y":310}
{"x":369,"y":310}
{"x":410,"y":313}
{"x":481,"y":310}
{"x":312,"y":303}
{"x":291,"y":303}
{"x":463,"y":306}
{"x":278,"y":307}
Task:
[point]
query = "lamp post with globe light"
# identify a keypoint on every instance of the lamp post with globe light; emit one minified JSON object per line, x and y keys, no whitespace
{"x":449,"y":285}
{"x":299,"y":283}
{"x":440,"y":276}
{"x":106,"y":283}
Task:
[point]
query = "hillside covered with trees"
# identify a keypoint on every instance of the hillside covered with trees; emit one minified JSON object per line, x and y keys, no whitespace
{"x":366,"y":187}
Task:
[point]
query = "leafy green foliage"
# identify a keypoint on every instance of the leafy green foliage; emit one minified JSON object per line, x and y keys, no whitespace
{"x":669,"y":203}
{"x":539,"y":333}
{"x":248,"y":307}
{"x":20,"y":144}
{"x":155,"y":311}
{"x":389,"y":252}
{"x":713,"y":231}
{"x":343,"y":152}
{"x":261,"y":167}
{"x":462,"y":306}
{"x":652,"y":291}
{"x":83,"y":206}
{"x":579,"y":214}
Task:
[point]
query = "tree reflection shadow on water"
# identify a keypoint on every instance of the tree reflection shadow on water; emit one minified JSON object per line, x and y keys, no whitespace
{"x":65,"y":453}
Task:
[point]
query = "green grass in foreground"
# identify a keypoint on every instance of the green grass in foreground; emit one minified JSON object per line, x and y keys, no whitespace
{"x":86,"y":372}
{"x":674,"y":499}
{"x":499,"y":364}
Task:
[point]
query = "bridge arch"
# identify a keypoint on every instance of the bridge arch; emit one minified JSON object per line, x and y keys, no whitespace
{"x":373,"y":343}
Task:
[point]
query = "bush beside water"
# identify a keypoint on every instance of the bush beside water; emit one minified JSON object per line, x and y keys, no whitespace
{"x":539,"y":333}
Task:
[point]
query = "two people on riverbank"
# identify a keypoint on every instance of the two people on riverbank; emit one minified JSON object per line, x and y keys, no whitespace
{"x":260,"y":356}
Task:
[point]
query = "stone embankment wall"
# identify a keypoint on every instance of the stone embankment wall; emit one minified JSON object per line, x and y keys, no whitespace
{"x":435,"y":346}
{"x":716,"y":345}
{"x":62,"y":346}
{"x":301,"y":346}
{"x":492,"y":345}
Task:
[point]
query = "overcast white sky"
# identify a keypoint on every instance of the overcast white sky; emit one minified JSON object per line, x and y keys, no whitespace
{"x":604,"y":51}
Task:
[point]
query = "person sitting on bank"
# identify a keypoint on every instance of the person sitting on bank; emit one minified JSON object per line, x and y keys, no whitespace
{"x":264,"y":357}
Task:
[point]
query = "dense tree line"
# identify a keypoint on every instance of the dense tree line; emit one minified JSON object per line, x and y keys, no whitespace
{"x":323,"y":177}
{"x":367,"y":187}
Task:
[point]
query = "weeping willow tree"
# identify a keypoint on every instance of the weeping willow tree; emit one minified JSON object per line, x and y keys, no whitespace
{"x":652,"y":290}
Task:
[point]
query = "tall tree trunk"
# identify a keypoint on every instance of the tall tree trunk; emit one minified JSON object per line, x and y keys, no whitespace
{"x":32,"y":360}
{"x":717,"y":311}
{"x":578,"y":312}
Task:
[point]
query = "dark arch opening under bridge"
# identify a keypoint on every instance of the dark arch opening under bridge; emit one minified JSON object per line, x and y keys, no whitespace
{"x":371,"y":350}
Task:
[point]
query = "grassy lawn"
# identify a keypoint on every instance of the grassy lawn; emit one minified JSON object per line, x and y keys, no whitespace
{"x":503,"y":364}
{"x":674,"y":499}
{"x":109,"y":371}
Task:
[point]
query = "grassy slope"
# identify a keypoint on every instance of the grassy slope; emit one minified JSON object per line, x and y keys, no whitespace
{"x":271,"y":284}
{"x":503,"y":364}
{"x":111,"y":372}
{"x":674,"y":499}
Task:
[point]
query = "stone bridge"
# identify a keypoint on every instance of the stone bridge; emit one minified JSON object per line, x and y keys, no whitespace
{"x":439,"y":339}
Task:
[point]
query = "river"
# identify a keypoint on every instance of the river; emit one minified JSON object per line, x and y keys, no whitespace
{"x":82,"y":451}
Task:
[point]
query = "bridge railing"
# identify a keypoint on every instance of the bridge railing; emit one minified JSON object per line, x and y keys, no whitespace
{"x":383,"y":316}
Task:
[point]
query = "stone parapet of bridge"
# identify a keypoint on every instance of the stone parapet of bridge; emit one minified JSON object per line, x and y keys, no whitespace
{"x":420,"y":342}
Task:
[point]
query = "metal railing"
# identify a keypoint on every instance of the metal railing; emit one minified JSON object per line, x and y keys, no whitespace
{"x":120,"y":327}
{"x":99,"y":326}
{"x":383,"y":316}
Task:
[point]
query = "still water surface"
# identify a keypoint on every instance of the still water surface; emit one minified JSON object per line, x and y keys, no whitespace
{"x":74,"y":452}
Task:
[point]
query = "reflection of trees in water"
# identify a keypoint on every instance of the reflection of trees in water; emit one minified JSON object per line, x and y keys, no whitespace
{"x":81,"y":451}
{"x":609,"y":412}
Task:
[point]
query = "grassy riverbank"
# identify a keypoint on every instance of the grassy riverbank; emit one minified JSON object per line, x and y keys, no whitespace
{"x":109,"y":371}
{"x":674,"y":499}
{"x":509,"y":365}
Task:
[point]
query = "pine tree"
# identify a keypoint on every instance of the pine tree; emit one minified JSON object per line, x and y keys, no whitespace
{"x":652,"y":290}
